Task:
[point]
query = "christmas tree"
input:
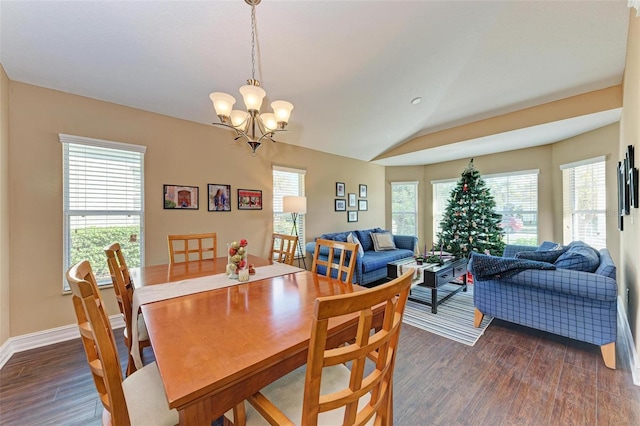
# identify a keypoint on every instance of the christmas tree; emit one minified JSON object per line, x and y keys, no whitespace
{"x":470,"y":222}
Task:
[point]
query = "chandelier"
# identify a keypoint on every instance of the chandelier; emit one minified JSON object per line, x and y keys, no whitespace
{"x":251,"y":125}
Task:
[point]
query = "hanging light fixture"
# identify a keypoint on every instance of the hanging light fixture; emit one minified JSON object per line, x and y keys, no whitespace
{"x":251,"y":125}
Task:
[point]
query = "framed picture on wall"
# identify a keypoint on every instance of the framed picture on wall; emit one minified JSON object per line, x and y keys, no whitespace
{"x":181,"y":197}
{"x":363,"y":205}
{"x":249,"y":199}
{"x":352,"y":200}
{"x":352,"y":216}
{"x":219,"y":197}
{"x":339,"y":189}
{"x":363,"y":191}
{"x":340,"y":205}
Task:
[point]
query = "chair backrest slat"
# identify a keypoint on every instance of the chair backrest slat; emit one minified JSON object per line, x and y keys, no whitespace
{"x":374,"y":341}
{"x":98,"y":341}
{"x":283,"y":248}
{"x":341,"y":268}
{"x":182,"y":247}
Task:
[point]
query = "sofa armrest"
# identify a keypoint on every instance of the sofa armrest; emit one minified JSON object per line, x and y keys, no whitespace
{"x":510,"y":250}
{"x":407,"y":242}
{"x":576,"y":283}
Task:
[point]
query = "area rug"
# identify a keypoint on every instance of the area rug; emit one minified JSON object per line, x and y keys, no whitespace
{"x":454,"y":319}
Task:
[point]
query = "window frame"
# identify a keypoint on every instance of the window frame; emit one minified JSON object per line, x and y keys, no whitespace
{"x":286,"y":216}
{"x":415,"y":211}
{"x":488,"y":178}
{"x":68,"y":212}
{"x":569,"y":208}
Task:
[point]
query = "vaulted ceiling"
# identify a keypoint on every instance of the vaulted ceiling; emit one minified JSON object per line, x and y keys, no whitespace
{"x":492,"y":75}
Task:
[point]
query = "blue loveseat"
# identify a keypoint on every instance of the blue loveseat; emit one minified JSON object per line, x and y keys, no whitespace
{"x":372,"y":265}
{"x":579,"y":303}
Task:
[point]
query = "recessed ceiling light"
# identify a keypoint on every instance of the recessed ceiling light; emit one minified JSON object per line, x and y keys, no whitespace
{"x":416,"y":101}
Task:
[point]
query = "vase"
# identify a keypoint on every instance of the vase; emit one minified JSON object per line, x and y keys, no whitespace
{"x":236,"y":259}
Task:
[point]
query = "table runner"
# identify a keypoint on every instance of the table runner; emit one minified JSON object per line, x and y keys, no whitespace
{"x":158,"y":292}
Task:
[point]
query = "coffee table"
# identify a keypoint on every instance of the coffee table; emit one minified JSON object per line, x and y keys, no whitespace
{"x":433,"y":276}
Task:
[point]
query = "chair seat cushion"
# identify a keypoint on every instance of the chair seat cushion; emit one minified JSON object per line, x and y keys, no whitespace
{"x":143,"y":334}
{"x":287,"y":394}
{"x":146,"y":400}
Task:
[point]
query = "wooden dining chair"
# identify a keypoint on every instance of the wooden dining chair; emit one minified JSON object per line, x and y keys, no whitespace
{"x":346,"y":263}
{"x":140,"y":398}
{"x":123,"y":289}
{"x":325,"y":391}
{"x":283,"y":248}
{"x":186,"y":245}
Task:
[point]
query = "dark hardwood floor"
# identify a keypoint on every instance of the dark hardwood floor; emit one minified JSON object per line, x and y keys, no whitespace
{"x":512,"y":376}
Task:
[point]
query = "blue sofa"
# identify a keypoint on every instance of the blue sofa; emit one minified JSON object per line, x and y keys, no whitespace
{"x":580,"y":304}
{"x":372,"y":266}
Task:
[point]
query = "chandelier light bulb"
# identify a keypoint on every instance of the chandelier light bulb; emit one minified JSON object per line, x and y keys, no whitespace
{"x":269,"y":121}
{"x":222,"y":103}
{"x":282,"y":111}
{"x":252,"y":96}
{"x":239,"y":119}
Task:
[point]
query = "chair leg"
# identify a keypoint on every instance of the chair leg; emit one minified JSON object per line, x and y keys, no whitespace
{"x":477,"y":318}
{"x":609,"y":355}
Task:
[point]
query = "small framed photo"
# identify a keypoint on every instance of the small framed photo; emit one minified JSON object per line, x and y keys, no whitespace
{"x":363,"y":191}
{"x":363,"y":205}
{"x":352,"y":216}
{"x":219,"y":197}
{"x":181,"y":197}
{"x":352,"y":200}
{"x":339,"y":189}
{"x":249,"y":199}
{"x":340,"y":205}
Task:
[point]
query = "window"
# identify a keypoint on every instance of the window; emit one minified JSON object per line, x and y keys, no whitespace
{"x":404,"y":208}
{"x":516,"y":197}
{"x":584,"y":202}
{"x":103,"y":202}
{"x":288,"y":181}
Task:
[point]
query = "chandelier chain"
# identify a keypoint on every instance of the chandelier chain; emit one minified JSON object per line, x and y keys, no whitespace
{"x":253,"y":42}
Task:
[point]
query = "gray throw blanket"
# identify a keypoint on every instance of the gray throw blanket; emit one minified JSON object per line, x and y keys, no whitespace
{"x":484,"y":267}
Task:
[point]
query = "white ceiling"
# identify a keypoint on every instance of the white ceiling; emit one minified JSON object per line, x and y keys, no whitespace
{"x":350,"y":68}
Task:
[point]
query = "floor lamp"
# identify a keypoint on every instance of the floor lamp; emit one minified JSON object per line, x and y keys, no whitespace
{"x":296,"y":206}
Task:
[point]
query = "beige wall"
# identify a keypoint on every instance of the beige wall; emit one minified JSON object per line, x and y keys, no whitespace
{"x":629,"y":271}
{"x":178,"y":152}
{"x":5,"y":303}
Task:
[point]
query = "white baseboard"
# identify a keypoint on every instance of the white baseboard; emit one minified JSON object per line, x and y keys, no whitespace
{"x":46,"y":337}
{"x":630,"y":352}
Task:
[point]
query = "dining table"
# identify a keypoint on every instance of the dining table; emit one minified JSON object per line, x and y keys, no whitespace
{"x":214,"y":348}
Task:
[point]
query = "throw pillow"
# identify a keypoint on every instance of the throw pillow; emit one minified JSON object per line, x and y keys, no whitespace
{"x":579,"y":258}
{"x":353,"y":239}
{"x":549,"y":256}
{"x":383,"y":241}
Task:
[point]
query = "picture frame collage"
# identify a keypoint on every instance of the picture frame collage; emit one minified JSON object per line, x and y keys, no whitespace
{"x":627,"y":177}
{"x":351,"y":202}
{"x":187,"y":197}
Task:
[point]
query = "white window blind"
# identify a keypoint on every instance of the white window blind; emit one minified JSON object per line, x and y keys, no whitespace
{"x":288,"y":181}
{"x":404,"y":208}
{"x":516,"y":197}
{"x":103,"y":202}
{"x":584,"y":202}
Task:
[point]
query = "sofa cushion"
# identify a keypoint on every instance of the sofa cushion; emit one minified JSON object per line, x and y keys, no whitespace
{"x":365,"y":238}
{"x":383,"y":241}
{"x":375,"y":260}
{"x":606,"y":268}
{"x":579,"y":257}
{"x":335,"y":236}
{"x":351,"y":238}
